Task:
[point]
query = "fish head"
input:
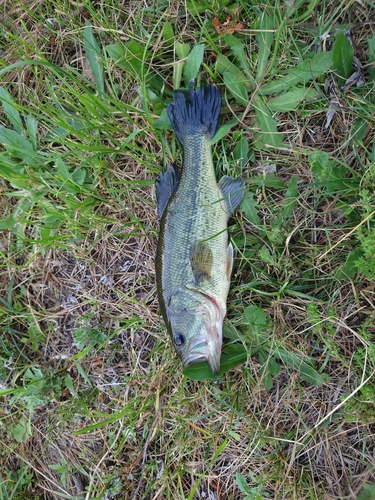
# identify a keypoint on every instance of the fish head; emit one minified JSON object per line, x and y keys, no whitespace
{"x":196,"y":322}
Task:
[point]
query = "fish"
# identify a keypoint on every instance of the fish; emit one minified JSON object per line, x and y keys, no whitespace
{"x":194,"y":258}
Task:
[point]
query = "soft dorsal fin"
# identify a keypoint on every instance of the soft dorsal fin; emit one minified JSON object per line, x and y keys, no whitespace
{"x":165,"y":186}
{"x":201,"y":260}
{"x":232,"y":191}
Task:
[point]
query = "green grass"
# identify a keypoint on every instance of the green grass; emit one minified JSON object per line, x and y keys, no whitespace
{"x":94,"y":402}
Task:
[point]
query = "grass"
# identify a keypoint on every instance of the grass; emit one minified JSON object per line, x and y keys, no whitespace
{"x":94,"y":403}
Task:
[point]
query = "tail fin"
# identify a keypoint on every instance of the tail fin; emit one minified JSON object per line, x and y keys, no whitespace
{"x":195,"y":111}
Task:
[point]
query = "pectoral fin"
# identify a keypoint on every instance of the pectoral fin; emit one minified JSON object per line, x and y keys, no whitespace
{"x":201,"y":261}
{"x":232,"y":191}
{"x":165,"y":187}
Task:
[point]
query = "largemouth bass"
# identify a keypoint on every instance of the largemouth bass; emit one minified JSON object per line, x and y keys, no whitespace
{"x":194,"y":260}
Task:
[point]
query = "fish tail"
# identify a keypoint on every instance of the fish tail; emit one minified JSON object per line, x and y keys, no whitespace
{"x":195,"y":111}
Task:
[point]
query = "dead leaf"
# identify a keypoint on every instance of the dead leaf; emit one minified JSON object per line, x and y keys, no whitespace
{"x":229,"y":26}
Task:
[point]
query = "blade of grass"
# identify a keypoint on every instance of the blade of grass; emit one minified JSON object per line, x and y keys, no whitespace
{"x":94,"y":56}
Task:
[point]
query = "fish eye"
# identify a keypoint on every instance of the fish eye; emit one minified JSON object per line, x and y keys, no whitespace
{"x":179,"y":339}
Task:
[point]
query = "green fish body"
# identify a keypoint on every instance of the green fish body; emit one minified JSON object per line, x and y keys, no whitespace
{"x":194,"y":260}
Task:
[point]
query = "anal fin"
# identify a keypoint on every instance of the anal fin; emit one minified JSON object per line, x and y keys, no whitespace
{"x":232,"y":191}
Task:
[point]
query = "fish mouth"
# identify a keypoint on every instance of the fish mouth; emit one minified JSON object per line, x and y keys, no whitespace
{"x":201,"y":350}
